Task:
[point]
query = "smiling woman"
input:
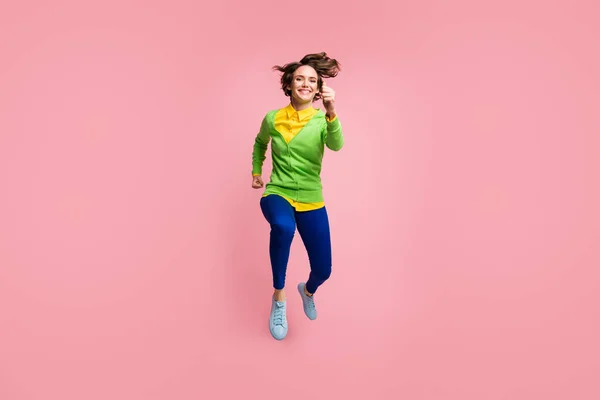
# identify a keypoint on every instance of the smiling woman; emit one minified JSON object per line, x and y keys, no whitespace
{"x":298,"y":134}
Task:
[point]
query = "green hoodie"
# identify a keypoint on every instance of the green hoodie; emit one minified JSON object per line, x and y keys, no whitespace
{"x":296,"y":170}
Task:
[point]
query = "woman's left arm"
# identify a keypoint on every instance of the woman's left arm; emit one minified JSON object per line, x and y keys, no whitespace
{"x":334,"y":138}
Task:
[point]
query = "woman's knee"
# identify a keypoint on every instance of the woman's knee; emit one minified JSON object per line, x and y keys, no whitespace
{"x":283,"y":228}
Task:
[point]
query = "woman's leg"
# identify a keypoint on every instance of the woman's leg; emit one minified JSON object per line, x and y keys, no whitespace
{"x":313,"y":227}
{"x":279,"y":213}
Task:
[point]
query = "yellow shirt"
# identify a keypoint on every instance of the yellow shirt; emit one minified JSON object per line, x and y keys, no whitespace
{"x":288,"y":122}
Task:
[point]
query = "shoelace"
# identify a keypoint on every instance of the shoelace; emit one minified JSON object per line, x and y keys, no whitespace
{"x":311,"y":302}
{"x":279,"y":315}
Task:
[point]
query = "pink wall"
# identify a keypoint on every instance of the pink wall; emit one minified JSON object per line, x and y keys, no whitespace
{"x":464,"y":206}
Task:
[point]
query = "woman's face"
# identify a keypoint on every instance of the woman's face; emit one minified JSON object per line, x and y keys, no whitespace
{"x":304,"y":85}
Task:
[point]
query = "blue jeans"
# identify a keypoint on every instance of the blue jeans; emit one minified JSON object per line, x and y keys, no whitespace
{"x":313,"y":227}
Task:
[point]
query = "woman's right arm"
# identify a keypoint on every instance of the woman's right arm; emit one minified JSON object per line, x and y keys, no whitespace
{"x":261,"y":143}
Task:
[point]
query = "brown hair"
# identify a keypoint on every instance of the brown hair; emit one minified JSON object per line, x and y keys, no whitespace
{"x":326,"y":68}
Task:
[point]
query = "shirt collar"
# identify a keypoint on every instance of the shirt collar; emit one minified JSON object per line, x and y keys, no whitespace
{"x":302,"y":114}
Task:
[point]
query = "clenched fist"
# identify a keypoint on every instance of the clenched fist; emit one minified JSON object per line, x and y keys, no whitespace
{"x":328,"y":95}
{"x":257,"y":182}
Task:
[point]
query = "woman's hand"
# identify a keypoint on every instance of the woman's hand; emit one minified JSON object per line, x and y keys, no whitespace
{"x":328,"y":95}
{"x":257,"y":182}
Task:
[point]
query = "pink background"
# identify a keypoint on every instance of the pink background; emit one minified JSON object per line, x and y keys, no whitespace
{"x":464,"y":206}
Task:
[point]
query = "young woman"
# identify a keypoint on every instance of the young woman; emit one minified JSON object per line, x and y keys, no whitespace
{"x":293,"y":197}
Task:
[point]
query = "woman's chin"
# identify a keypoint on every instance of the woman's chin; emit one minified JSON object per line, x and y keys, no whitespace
{"x":303,"y":100}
